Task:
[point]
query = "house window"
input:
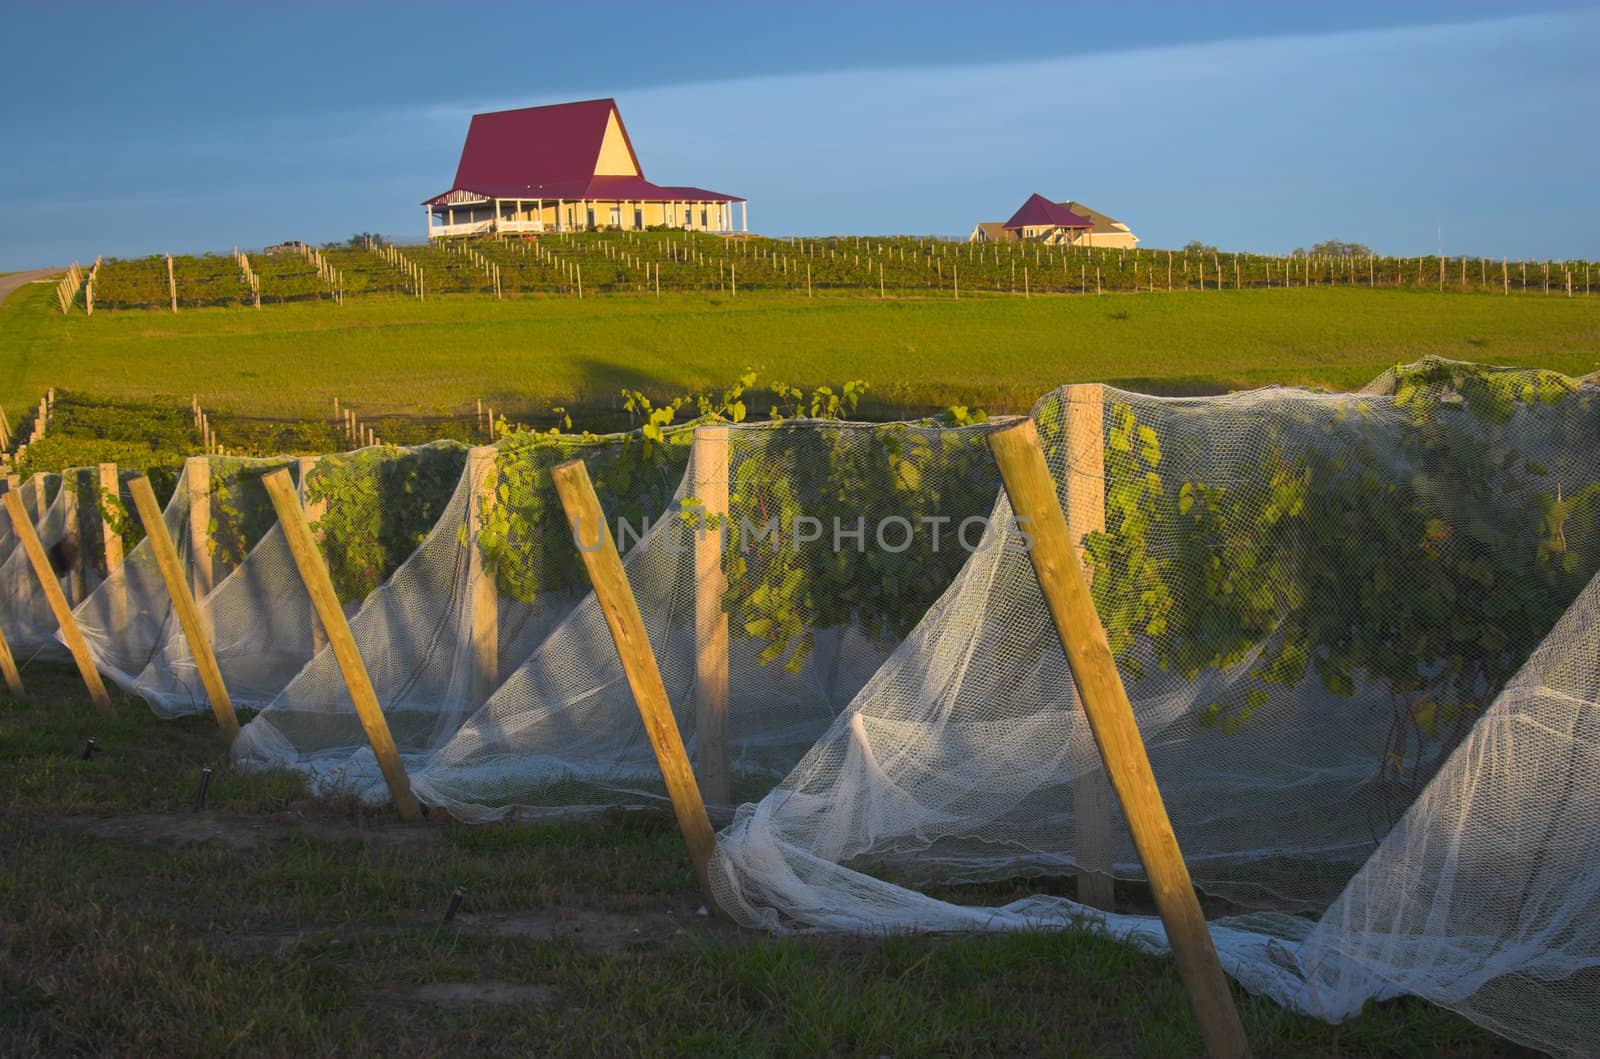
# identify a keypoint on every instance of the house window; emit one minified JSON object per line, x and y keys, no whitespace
{"x":591,"y":216}
{"x":702,"y":216}
{"x":638,"y":217}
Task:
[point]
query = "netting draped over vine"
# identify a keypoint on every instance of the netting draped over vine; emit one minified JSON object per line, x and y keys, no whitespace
{"x":128,"y":621}
{"x":1359,"y":633}
{"x":68,"y":526}
{"x":812,"y":603}
{"x":1313,"y":599}
{"x":369,"y":509}
{"x":433,"y":654}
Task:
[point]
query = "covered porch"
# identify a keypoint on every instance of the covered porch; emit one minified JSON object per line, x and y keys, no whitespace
{"x":465,"y":214}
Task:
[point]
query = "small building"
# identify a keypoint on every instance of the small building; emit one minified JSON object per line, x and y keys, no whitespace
{"x":567,"y":167}
{"x":1055,"y":223}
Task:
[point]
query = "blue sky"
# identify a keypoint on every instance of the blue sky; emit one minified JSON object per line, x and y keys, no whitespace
{"x":139,"y":128}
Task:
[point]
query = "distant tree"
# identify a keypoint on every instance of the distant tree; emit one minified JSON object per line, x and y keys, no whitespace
{"x":1340,"y":248}
{"x":360,"y":240}
{"x":1195,"y":246}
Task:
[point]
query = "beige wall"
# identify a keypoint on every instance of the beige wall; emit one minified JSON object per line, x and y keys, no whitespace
{"x":614,"y":157}
{"x":1114,"y":240}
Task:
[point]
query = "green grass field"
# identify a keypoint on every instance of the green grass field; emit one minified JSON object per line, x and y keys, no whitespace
{"x":274,"y":923}
{"x":397,"y":356}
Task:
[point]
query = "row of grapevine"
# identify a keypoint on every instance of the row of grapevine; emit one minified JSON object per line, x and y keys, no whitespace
{"x":646,"y":264}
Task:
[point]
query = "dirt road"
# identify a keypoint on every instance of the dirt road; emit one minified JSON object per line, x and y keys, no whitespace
{"x":17,"y":279}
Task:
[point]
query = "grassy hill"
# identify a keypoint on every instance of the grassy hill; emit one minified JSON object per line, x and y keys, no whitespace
{"x":395,"y":355}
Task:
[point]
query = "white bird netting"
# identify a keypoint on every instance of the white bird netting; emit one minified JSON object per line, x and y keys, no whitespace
{"x":1359,"y":632}
{"x":69,"y":531}
{"x":493,"y":577}
{"x":128,"y":621}
{"x":562,"y":730}
{"x":806,"y":586}
{"x":1312,"y":600}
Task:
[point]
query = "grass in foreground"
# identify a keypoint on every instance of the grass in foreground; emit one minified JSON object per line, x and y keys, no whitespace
{"x":271,"y":922}
{"x":523,"y":356}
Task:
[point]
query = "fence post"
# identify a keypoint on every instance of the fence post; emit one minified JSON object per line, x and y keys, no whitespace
{"x":483,"y":598}
{"x":709,"y":459}
{"x":111,"y":543}
{"x":40,"y":494}
{"x":197,"y":472}
{"x":1086,"y":513}
{"x":621,"y":610}
{"x":314,"y":573}
{"x":172,"y":284}
{"x":314,"y":510}
{"x":72,"y":535}
{"x":58,"y":602}
{"x":1032,"y":492}
{"x":194,"y":630}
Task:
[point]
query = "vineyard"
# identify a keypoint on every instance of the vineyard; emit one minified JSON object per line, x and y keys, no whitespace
{"x":650,"y":264}
{"x":1355,"y":631}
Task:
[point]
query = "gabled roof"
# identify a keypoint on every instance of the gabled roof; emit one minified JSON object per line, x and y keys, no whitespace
{"x":556,"y":152}
{"x":1102,"y":224}
{"x":538,"y":145}
{"x":1040,"y":212}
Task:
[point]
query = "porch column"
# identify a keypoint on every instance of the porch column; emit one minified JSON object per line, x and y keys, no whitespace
{"x":427,"y":211}
{"x":561,"y":208}
{"x":744,"y":216}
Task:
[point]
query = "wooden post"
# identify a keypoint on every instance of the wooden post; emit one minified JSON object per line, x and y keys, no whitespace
{"x":314,"y":572}
{"x":197,"y":472}
{"x":1086,"y":513}
{"x":72,"y":536}
{"x":710,"y":462}
{"x":111,"y":543}
{"x":483,"y":598}
{"x":314,"y":511}
{"x":172,"y":284}
{"x":194,"y":630}
{"x":1032,"y":492}
{"x":8,"y":666}
{"x":615,"y":595}
{"x":58,"y":602}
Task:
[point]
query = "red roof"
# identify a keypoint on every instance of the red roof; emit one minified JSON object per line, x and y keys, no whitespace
{"x":1040,"y":212}
{"x":552,"y":152}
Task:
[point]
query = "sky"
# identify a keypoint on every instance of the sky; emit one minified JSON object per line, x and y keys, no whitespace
{"x":1466,"y":126}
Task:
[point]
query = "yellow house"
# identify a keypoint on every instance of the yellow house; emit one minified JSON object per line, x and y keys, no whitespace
{"x":1055,"y":223}
{"x":567,"y":167}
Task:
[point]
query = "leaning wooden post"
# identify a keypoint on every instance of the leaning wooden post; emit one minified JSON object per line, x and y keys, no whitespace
{"x":1086,"y":513}
{"x":8,"y":666}
{"x":314,"y":572}
{"x":709,"y":458}
{"x":111,"y":543}
{"x":615,"y":595}
{"x":197,"y":473}
{"x":483,"y":599}
{"x":1032,"y":491}
{"x":58,"y":602}
{"x":194,"y":630}
{"x":172,"y":284}
{"x":315,"y":510}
